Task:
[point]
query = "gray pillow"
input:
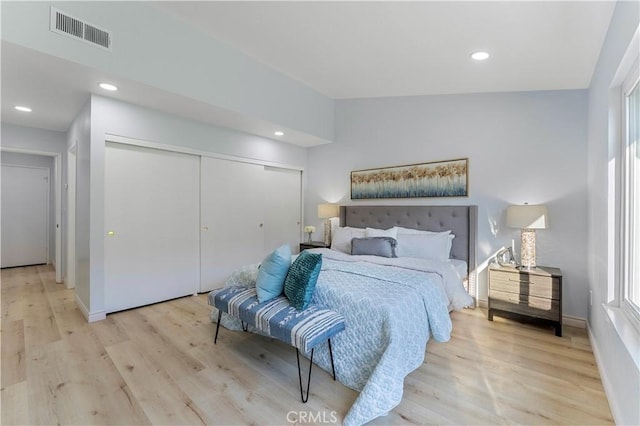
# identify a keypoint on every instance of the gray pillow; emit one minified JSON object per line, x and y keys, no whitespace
{"x":375,"y":246}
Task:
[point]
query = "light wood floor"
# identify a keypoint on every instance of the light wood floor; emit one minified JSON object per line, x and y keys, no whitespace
{"x":158,"y":365}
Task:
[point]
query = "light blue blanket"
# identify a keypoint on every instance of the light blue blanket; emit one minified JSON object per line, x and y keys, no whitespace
{"x":390,"y":310}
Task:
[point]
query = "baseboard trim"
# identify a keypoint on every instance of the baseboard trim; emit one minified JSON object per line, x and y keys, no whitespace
{"x":569,"y":320}
{"x":89,"y":316}
{"x":67,"y":284}
{"x":574,"y":321}
{"x":604,"y":378}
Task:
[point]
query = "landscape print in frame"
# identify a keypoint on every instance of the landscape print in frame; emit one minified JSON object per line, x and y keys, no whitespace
{"x":436,"y":179}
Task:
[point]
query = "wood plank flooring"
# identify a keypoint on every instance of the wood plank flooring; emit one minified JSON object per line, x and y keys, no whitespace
{"x":158,"y":365}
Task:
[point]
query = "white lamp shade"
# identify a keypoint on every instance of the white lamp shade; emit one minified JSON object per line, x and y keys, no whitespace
{"x":328,"y":210}
{"x":528,"y":216}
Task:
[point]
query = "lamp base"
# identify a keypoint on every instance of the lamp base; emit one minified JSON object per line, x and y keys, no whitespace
{"x":528,"y":248}
{"x":327,"y":232}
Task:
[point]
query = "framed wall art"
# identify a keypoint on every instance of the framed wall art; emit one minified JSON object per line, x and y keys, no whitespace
{"x":436,"y":179}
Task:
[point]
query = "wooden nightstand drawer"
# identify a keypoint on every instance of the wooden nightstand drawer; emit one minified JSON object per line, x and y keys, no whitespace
{"x":538,"y":307}
{"x":530,"y":285}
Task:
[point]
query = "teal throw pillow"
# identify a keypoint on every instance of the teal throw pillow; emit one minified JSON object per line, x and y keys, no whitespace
{"x":301,"y":279}
{"x":272,"y":273}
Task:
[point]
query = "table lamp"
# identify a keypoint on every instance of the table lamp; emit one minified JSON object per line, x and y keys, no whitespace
{"x":528,"y":218}
{"x":326,"y":211}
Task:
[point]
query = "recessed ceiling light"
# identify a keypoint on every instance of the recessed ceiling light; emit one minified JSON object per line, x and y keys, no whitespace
{"x":109,"y":87}
{"x":278,"y":133}
{"x":22,"y":108}
{"x":479,"y":56}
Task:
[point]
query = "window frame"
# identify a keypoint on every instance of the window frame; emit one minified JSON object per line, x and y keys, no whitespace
{"x":631,"y":82}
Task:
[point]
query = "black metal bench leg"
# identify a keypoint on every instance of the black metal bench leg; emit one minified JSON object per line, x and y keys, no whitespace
{"x":333,"y":368}
{"x":217,"y":326}
{"x":302,"y":395}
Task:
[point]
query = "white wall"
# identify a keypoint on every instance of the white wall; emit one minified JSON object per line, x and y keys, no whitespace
{"x":79,"y":134}
{"x":621,"y":376}
{"x":107,"y":116}
{"x":30,"y":160}
{"x":124,"y":119}
{"x":522,"y":147}
{"x":27,"y":139}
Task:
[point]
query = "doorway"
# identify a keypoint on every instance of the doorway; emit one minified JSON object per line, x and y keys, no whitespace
{"x":70,"y":278}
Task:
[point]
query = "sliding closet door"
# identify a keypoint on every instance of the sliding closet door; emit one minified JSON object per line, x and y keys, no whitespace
{"x":232,"y":220}
{"x":282,"y":208}
{"x":152,"y":226}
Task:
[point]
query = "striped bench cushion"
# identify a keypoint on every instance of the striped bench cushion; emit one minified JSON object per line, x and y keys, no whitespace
{"x":277,"y":318}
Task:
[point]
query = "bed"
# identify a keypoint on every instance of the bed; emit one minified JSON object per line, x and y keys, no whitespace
{"x":392,"y":306}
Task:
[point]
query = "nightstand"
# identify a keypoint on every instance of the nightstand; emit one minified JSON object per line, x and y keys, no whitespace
{"x":534,"y":293}
{"x":312,"y":245}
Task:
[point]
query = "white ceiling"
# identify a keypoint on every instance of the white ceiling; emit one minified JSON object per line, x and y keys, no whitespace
{"x":344,"y":50}
{"x":376,"y":49}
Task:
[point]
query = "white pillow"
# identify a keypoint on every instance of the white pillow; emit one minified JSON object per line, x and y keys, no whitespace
{"x":425,"y":246}
{"x":373,"y":232}
{"x":341,"y":238}
{"x":409,"y":231}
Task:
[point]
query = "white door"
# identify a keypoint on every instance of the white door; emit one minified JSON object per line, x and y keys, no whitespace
{"x":232,"y":221}
{"x":25,"y":215}
{"x":282,"y":208}
{"x":151,"y":225}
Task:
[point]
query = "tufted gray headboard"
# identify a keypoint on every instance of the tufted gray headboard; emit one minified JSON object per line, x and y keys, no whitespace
{"x":461,"y":220}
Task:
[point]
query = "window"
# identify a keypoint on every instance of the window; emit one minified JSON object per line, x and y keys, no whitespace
{"x":630,"y":195}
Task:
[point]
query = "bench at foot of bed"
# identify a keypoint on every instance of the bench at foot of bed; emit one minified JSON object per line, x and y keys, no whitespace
{"x":278,"y":319}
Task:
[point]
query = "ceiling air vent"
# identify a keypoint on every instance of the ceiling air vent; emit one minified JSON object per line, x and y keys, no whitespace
{"x":63,"y":23}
